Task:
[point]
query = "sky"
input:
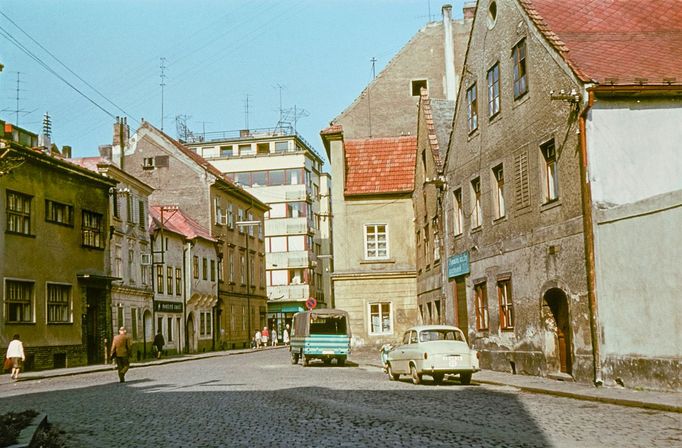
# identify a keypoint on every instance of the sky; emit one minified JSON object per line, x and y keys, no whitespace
{"x":316,"y":55}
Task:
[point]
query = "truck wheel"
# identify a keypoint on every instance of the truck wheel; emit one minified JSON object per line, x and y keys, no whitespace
{"x":294,"y":358}
{"x":438,"y":378}
{"x":341,"y":360}
{"x":327,"y":361}
{"x":306,"y":361}
{"x":465,"y":378}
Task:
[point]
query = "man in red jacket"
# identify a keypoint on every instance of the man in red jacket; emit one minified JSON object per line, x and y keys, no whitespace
{"x":121,"y":348}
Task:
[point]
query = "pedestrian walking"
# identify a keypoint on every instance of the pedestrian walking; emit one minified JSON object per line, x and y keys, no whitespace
{"x":159,"y":342}
{"x":285,"y":335}
{"x":265,"y":335}
{"x":257,"y":338}
{"x":274,"y":337}
{"x":15,"y":353}
{"x":121,"y":348}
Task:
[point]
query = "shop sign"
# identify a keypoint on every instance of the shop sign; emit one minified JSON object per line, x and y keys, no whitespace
{"x":458,"y":264}
{"x":168,"y":307}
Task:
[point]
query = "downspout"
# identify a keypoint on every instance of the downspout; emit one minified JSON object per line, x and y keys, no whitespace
{"x":184,"y":295}
{"x":588,"y":231}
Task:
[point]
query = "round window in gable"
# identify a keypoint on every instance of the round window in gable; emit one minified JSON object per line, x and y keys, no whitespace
{"x":492,"y":14}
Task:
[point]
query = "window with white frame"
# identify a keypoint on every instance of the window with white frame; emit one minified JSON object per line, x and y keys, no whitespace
{"x":498,"y":176}
{"x":476,"y":212}
{"x":494,"y":90}
{"x":472,"y":108}
{"x":551,"y":172}
{"x":520,"y":76}
{"x":458,"y":212}
{"x":230,"y":216}
{"x":58,"y":303}
{"x":18,"y":301}
{"x":481,"y":305}
{"x":380,"y":318}
{"x":376,"y":241}
{"x":92,"y":229}
{"x":504,"y":294}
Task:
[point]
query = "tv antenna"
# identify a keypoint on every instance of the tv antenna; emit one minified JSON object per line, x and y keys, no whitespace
{"x":162,"y":84}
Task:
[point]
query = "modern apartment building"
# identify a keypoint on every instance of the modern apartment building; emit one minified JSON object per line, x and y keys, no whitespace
{"x":283,"y":170}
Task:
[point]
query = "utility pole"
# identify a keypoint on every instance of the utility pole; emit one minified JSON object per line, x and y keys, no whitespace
{"x":163,"y":84}
{"x":374,"y":73}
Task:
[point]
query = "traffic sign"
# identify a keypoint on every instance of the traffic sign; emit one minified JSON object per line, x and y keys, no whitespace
{"x":311,"y":303}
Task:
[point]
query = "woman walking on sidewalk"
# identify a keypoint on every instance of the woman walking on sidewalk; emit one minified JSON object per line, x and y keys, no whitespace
{"x":15,"y":352}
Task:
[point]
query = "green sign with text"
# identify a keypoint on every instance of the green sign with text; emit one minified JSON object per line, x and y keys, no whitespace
{"x":458,"y":264}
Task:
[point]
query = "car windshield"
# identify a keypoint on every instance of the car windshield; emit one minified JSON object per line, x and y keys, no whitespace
{"x":440,"y":335}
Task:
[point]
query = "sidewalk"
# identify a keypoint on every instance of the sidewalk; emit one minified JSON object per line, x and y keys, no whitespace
{"x":661,"y":401}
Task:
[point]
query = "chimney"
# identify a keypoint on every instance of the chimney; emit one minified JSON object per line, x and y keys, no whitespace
{"x":469,"y":9}
{"x":66,"y":152}
{"x":449,"y":49}
{"x":105,"y":152}
{"x":121,"y":128}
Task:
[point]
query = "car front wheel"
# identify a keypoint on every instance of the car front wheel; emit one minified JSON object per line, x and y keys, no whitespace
{"x":416,"y":377}
{"x":465,"y":378}
{"x":438,"y":378}
{"x":392,"y":376}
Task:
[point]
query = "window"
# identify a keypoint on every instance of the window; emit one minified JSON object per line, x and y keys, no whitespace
{"x":130,"y":264}
{"x":240,"y":217}
{"x":178,"y":282}
{"x":58,"y":303}
{"x":481,"y":303}
{"x":417,"y":85}
{"x":18,"y":301}
{"x":205,"y":323}
{"x":218,"y":211}
{"x":263,"y":148}
{"x":244,"y":318}
{"x":59,"y":213}
{"x":242,"y":268}
{"x":220,"y":269}
{"x":148,"y":163}
{"x":133,"y":322}
{"x":504,"y":294}
{"x":436,"y":239}
{"x":477,"y":212}
{"x":246,"y":150}
{"x":259,"y":178}
{"x":472,"y":108}
{"x":226,"y":151}
{"x":204,"y":268}
{"x":249,"y":217}
{"x":281,"y":146}
{"x":119,"y":316}
{"x":195,"y":267}
{"x":520,"y":78}
{"x":376,"y":241}
{"x":92,"y":230}
{"x":141,"y":210}
{"x":278,"y":277}
{"x":500,"y":208}
{"x":18,"y":213}
{"x":159,"y":279}
{"x":551,"y":173}
{"x":276,"y":177}
{"x":212,"y":270}
{"x":230,"y":265}
{"x":129,"y":208}
{"x":169,"y":280}
{"x":230,"y":216}
{"x":458,"y":211}
{"x":494,"y":90}
{"x":380,"y":318}
{"x":115,"y":205}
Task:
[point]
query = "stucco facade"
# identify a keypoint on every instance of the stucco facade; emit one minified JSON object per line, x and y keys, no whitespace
{"x":514,"y":204}
{"x":56,"y":291}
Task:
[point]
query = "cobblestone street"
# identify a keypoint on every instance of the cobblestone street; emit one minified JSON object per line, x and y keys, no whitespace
{"x":260,"y":399}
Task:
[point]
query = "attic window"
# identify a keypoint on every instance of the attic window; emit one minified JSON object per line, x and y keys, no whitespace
{"x":492,"y":15}
{"x":417,"y":85}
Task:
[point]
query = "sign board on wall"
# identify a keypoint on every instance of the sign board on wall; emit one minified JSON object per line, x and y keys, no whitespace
{"x":458,"y":264}
{"x":168,"y":307}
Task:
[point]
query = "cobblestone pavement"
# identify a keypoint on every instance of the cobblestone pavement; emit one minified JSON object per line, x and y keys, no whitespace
{"x":260,"y":399}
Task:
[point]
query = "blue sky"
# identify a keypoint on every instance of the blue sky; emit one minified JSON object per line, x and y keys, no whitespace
{"x":217,"y":52}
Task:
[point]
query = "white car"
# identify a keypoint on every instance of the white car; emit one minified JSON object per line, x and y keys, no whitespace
{"x":434,"y":350}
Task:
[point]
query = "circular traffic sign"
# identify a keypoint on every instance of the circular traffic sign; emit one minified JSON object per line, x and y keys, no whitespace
{"x":311,"y":303}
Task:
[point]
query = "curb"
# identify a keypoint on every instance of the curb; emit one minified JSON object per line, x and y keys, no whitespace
{"x":27,"y":434}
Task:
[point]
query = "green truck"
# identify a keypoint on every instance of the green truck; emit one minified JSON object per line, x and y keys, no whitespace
{"x":320,"y":334}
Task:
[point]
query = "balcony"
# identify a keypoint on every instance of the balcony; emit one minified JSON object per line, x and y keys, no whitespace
{"x":290,"y":292}
{"x":286,"y":260}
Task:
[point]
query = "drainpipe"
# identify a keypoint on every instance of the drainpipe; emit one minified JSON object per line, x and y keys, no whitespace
{"x":588,"y":231}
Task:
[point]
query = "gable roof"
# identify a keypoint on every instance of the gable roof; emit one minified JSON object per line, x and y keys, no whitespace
{"x":438,"y":116}
{"x":207,"y":166}
{"x":380,"y":165}
{"x":177,"y":222}
{"x":614,"y":42}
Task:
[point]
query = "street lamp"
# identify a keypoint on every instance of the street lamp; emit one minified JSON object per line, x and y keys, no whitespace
{"x":248,"y":269}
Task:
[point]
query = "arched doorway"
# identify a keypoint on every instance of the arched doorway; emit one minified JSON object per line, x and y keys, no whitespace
{"x":557,"y":321}
{"x":191,"y":335}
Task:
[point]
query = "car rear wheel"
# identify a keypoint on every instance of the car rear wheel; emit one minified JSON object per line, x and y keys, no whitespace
{"x":465,"y":378}
{"x":438,"y":378}
{"x":294,"y":358}
{"x":392,"y":376}
{"x":416,"y":377}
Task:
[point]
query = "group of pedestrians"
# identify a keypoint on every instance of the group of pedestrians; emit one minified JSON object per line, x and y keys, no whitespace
{"x":263,"y":338}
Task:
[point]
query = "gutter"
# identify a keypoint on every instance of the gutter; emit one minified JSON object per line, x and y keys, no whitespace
{"x":588,"y":231}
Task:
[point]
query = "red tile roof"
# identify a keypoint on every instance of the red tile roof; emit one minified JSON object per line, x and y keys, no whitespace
{"x":177,"y":222}
{"x":380,"y":165}
{"x":619,"y":42}
{"x":333,"y":129}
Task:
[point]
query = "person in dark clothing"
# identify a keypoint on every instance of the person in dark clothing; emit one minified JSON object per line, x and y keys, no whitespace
{"x":159,"y":342}
{"x":121,"y":349}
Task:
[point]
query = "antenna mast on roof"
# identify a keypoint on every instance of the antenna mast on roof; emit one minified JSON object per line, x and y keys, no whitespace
{"x":246,"y":112}
{"x":163,"y":84}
